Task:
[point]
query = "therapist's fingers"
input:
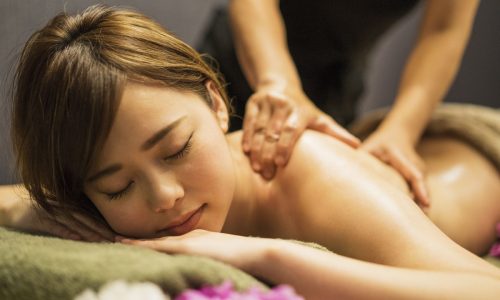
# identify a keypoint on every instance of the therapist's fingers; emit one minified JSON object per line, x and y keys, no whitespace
{"x":249,"y":123}
{"x":259,"y":135}
{"x":326,"y":124}
{"x":273,"y":135}
{"x":413,"y":175}
{"x":292,"y":129}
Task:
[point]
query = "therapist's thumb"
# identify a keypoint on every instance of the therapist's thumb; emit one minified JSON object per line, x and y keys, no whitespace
{"x":326,"y":124}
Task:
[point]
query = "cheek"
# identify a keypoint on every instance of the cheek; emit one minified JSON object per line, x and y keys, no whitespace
{"x":212,"y":164}
{"x":132,"y":224}
{"x":210,"y":178}
{"x":125,"y":219}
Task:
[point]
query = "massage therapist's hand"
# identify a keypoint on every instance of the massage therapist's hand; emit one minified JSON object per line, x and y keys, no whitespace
{"x":236,"y":250}
{"x":275,"y":118}
{"x":392,"y":147}
{"x":23,"y":215}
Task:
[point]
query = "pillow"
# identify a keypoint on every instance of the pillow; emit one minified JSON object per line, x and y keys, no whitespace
{"x":42,"y":267}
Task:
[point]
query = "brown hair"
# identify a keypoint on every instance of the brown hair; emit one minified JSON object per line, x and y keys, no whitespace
{"x":67,"y":88}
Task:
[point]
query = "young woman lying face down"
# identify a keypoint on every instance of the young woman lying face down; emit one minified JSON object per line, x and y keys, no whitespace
{"x":117,"y":119}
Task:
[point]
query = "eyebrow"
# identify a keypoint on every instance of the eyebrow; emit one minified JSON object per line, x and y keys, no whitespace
{"x":148,"y":144}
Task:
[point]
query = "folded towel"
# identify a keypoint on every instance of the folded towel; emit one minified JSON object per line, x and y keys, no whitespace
{"x":42,"y":267}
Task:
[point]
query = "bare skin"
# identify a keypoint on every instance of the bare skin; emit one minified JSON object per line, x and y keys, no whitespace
{"x":317,"y":274}
{"x":370,"y":218}
{"x":373,"y":217}
{"x":344,"y":199}
{"x":280,"y":106}
{"x":458,"y":178}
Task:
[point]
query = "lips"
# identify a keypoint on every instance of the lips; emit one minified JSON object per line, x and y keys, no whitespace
{"x":187,"y":222}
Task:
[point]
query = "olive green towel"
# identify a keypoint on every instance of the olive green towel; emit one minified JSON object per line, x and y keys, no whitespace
{"x":41,"y":267}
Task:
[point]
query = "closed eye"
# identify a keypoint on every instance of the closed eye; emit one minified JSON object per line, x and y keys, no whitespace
{"x":181,"y":153}
{"x":119,"y":194}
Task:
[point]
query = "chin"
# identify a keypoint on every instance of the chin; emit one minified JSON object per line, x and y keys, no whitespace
{"x":214,"y":224}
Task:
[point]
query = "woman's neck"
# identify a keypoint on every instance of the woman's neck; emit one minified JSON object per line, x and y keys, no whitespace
{"x":250,"y":192}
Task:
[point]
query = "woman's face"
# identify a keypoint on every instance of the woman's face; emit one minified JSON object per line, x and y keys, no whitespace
{"x":165,"y":168}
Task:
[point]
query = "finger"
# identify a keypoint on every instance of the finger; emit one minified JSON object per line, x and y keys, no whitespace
{"x":259,"y":136}
{"x":86,"y":233}
{"x":81,"y":229}
{"x":60,"y":230}
{"x":91,"y":236}
{"x":418,"y":184}
{"x":99,"y":229}
{"x":266,"y":158}
{"x":249,"y":121}
{"x":162,"y":245}
{"x":327,"y":125}
{"x":412,"y":175}
{"x":271,"y":141}
{"x":420,"y":191}
{"x":145,"y":243}
{"x":378,"y":153}
{"x":291,"y":130}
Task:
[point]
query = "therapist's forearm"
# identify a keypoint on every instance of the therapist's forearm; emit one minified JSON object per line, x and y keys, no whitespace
{"x":261,"y":46}
{"x":431,"y":67}
{"x":317,"y":274}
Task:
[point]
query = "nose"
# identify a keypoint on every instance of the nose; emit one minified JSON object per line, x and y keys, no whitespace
{"x":165,"y":192}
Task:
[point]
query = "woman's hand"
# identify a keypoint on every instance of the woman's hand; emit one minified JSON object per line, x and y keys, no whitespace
{"x":20,"y":213}
{"x":275,"y":118}
{"x":394,"y":149}
{"x":235,"y":250}
{"x":74,"y":226}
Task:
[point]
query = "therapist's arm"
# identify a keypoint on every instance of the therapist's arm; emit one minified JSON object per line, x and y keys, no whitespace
{"x":278,"y":111}
{"x":427,"y":76}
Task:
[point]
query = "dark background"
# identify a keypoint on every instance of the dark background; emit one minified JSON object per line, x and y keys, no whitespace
{"x":477,"y":82}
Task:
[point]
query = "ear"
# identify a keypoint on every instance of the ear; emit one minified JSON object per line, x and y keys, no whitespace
{"x":218,"y":105}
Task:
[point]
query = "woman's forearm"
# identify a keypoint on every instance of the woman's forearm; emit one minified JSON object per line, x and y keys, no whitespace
{"x":433,"y":63}
{"x":261,"y":43}
{"x":319,"y":274}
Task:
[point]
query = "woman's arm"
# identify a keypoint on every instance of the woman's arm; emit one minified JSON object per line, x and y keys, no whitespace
{"x":12,"y":198}
{"x":17,"y":211}
{"x":318,"y":274}
{"x":428,"y":74}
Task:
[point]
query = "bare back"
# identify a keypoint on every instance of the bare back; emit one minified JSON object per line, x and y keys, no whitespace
{"x":356,"y":206}
{"x":465,"y":192}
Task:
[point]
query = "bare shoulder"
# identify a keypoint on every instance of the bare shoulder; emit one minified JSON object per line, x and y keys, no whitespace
{"x":332,"y":191}
{"x":324,"y":158}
